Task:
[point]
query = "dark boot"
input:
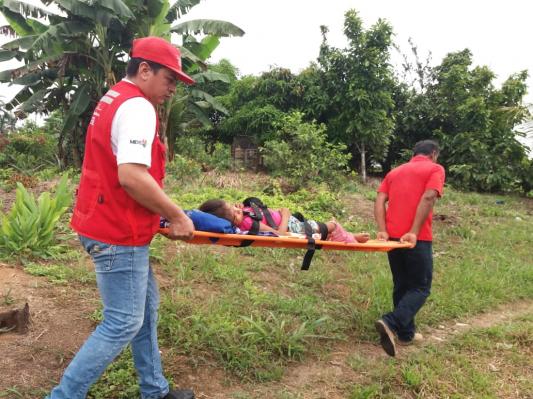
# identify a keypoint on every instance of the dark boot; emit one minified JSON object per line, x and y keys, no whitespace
{"x":180,"y":394}
{"x":386,"y":337}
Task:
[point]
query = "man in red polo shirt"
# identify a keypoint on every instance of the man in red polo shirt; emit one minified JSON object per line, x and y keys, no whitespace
{"x":410,"y":190}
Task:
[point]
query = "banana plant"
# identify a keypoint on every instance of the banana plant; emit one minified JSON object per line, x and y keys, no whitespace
{"x":190,"y":107}
{"x":71,"y":57}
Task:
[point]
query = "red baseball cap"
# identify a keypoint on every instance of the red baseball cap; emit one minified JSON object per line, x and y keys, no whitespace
{"x":158,"y":50}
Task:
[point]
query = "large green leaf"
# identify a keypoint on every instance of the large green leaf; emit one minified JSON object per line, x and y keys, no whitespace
{"x":157,"y":11}
{"x":188,"y":55}
{"x":24,"y":42}
{"x":102,"y":15}
{"x":208,"y":27}
{"x":210,"y":76}
{"x":203,"y":49}
{"x":80,"y":102}
{"x":37,"y":26}
{"x":157,"y":8}
{"x":6,"y":55}
{"x":180,"y":8}
{"x":119,"y":8}
{"x":31,"y":67}
{"x":35,"y":77}
{"x":200,"y":114}
{"x":17,"y":22}
{"x":25,"y":9}
{"x":212,"y":101}
{"x":35,"y":102}
{"x":55,"y":33}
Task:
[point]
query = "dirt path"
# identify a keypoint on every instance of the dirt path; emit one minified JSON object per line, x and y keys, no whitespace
{"x":60,"y":325}
{"x":326,"y":378}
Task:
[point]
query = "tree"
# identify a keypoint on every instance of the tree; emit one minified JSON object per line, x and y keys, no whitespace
{"x":70,"y":59}
{"x":257,"y":104}
{"x":475,"y":124}
{"x":473,"y":121}
{"x":359,"y":81}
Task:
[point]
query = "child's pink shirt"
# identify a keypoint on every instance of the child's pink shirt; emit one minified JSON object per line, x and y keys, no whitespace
{"x":247,"y":221}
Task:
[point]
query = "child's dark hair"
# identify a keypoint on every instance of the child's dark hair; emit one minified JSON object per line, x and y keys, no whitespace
{"x":218,"y":208}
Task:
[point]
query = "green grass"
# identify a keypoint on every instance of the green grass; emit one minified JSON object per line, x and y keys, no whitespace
{"x":482,"y":261}
{"x":253,"y":313}
{"x":485,"y":363}
{"x":60,"y":274}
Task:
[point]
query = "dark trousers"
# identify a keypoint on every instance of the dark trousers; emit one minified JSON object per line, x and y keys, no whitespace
{"x":412,"y":271}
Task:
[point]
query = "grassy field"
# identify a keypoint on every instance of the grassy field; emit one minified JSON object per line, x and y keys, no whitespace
{"x":253,"y":317}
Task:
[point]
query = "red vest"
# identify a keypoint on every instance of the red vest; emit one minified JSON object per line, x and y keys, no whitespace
{"x":104,"y":211}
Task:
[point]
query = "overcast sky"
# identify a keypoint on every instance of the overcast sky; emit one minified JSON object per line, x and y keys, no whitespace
{"x":286,"y":33}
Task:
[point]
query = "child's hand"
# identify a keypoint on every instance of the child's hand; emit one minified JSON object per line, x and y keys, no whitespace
{"x":361,"y":237}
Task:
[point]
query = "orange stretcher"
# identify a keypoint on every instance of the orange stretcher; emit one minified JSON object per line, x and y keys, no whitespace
{"x":236,"y":240}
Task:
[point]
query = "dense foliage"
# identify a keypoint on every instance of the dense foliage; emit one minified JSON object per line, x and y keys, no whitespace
{"x":73,"y":56}
{"x":300,"y":150}
{"x":362,"y":106}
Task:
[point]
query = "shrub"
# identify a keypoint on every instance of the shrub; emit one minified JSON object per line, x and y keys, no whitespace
{"x":28,"y":150}
{"x":208,"y":155}
{"x":183,"y":169}
{"x":28,"y":229}
{"x":300,"y":151}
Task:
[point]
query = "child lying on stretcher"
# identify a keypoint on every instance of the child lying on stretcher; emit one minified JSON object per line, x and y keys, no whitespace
{"x":242,"y":217}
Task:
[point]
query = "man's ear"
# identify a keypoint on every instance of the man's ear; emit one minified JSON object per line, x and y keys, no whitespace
{"x":144,"y":70}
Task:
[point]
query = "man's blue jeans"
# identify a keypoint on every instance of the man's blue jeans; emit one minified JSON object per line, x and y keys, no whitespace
{"x":412,"y":271}
{"x":130,"y":297}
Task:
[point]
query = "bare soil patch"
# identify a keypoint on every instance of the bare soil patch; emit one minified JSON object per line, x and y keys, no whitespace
{"x":58,"y":327}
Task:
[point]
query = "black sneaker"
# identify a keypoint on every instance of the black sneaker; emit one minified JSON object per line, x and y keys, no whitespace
{"x":180,"y":394}
{"x":386,"y":337}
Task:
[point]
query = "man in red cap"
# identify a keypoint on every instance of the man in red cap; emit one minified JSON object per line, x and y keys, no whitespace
{"x":119,"y":203}
{"x":411,"y":191}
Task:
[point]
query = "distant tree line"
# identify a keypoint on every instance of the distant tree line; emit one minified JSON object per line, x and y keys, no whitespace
{"x":379,"y":115}
{"x":350,"y":107}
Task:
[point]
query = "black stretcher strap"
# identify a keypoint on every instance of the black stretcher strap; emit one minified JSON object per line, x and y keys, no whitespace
{"x":256,"y":215}
{"x":311,"y":243}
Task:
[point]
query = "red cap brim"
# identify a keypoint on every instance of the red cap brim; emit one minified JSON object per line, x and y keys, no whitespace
{"x":184,"y":77}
